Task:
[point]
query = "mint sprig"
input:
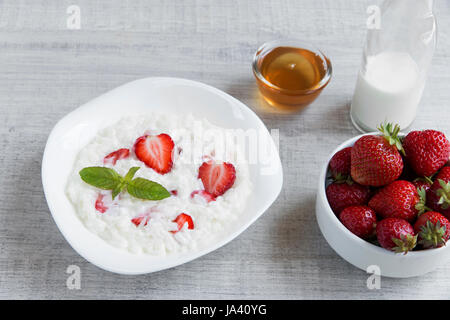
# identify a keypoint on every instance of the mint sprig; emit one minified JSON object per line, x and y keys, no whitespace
{"x":145,"y":189}
{"x":101,"y":177}
{"x":108,"y":179}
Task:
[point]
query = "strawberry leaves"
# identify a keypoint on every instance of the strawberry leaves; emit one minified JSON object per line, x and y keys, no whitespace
{"x":444,"y":194}
{"x":390,"y":133}
{"x":405,"y":244}
{"x":108,"y":179}
{"x":421,"y":205}
{"x":432,"y":235}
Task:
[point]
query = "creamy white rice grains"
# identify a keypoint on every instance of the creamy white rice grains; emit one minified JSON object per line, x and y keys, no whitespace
{"x":195,"y":141}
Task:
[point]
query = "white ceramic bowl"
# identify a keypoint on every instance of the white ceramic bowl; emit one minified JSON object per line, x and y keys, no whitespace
{"x":363,"y":254}
{"x":77,"y":128}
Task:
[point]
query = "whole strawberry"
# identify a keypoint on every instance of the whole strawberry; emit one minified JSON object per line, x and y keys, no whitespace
{"x":340,"y":164}
{"x":426,"y":151}
{"x":360,"y":220}
{"x":438,"y":197}
{"x":397,"y":200}
{"x":433,"y":229}
{"x":376,"y":160}
{"x":396,"y":235}
{"x":343,"y":195}
{"x":423,"y":183}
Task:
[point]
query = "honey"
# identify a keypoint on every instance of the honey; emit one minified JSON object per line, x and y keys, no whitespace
{"x":291,"y":77}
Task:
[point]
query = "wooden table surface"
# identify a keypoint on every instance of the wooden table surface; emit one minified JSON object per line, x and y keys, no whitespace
{"x":48,"y":71}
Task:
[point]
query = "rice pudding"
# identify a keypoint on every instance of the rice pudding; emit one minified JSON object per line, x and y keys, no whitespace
{"x":208,"y":184}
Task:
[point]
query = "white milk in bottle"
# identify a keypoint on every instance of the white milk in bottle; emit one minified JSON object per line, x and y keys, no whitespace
{"x":389,"y":91}
{"x":397,"y":56}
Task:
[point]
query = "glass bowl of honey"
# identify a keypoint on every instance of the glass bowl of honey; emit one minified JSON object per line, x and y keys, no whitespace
{"x":290,"y":75}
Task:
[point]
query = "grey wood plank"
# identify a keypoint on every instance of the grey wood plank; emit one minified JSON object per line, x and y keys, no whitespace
{"x":47,"y":71}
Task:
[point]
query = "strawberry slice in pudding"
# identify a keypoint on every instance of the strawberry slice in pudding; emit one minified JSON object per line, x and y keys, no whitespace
{"x":155,"y":152}
{"x":105,"y":204}
{"x":143,"y":219}
{"x":205,"y":195}
{"x":217,"y":177}
{"x":99,"y":204}
{"x":116,"y":155}
{"x":181,"y":220}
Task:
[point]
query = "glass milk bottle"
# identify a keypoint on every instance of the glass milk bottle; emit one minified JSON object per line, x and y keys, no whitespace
{"x":397,"y":56}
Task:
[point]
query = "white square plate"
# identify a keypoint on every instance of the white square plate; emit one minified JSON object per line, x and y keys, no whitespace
{"x":77,"y":128}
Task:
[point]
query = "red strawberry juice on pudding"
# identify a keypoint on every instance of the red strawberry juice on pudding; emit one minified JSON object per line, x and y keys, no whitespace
{"x":202,"y":206}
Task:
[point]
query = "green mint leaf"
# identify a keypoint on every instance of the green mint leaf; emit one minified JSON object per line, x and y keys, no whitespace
{"x":147,"y":190}
{"x":101,"y":177}
{"x":127,"y":179}
{"x":130,"y":174}
{"x":108,"y":179}
{"x":118,"y":189}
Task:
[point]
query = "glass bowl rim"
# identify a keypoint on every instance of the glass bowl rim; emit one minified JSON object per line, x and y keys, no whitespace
{"x":269,"y":46}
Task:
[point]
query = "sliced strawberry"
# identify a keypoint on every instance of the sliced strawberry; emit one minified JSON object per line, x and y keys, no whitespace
{"x":116,"y":155}
{"x":99,"y":205}
{"x":174,"y":192}
{"x":155,"y":152}
{"x":207,"y":158}
{"x":138,"y":220}
{"x":217,"y":177}
{"x":144,"y":218}
{"x":204,"y":194}
{"x":181,"y":219}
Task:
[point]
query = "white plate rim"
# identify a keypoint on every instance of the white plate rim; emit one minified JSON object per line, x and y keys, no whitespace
{"x":183,"y":258}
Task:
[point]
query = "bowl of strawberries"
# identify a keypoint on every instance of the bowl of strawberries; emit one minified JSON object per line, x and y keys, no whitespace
{"x":384,"y":200}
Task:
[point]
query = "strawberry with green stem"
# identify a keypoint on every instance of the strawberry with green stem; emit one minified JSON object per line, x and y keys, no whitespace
{"x":421,"y":206}
{"x":396,"y":235}
{"x":426,"y":151}
{"x":340,"y":164}
{"x":376,"y":160}
{"x":433,"y":229}
{"x":399,"y":199}
{"x":344,"y":194}
{"x":438,"y":197}
{"x":423,"y":182}
{"x":360,"y":220}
